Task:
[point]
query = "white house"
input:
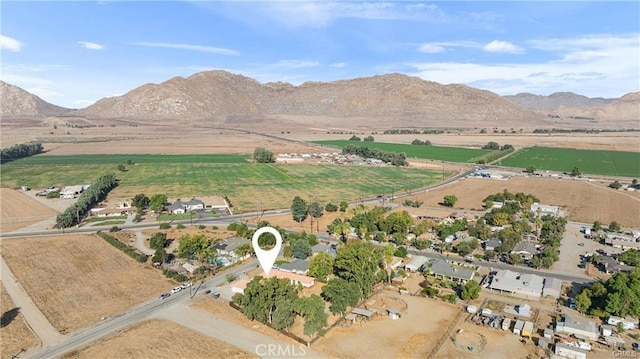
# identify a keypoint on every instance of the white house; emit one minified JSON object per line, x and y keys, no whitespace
{"x":179,"y":207}
{"x":627,"y":324}
{"x":523,"y":285}
{"x":543,"y":209}
{"x":569,"y":351}
{"x":416,"y":263}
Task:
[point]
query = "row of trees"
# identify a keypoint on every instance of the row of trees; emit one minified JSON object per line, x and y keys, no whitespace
{"x":618,"y":295}
{"x":494,"y":146}
{"x":394,"y":158}
{"x":421,"y":143}
{"x":300,"y":209}
{"x":19,"y":151}
{"x":366,"y":139}
{"x":412,"y":132}
{"x":95,"y":193}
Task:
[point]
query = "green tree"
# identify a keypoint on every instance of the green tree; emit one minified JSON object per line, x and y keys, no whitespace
{"x":158,"y":240}
{"x":463,"y":248}
{"x":159,"y":256}
{"x":630,"y":257}
{"x":263,"y":155}
{"x":470,"y":290}
{"x":354,"y":138}
{"x":450,"y":200}
{"x":341,"y":294}
{"x":312,"y":310}
{"x":301,"y":249}
{"x":583,"y":300}
{"x":575,"y":172}
{"x":360,"y":263}
{"x":157,"y":202}
{"x":530,"y":169}
{"x":343,"y":206}
{"x":615,"y":185}
{"x":401,"y":252}
{"x":330,"y":207}
{"x":491,"y":146}
{"x":515,"y":258}
{"x":191,"y":246}
{"x":369,"y":139}
{"x":244,"y":249}
{"x":121,"y":168}
{"x":299,"y":209}
{"x":269,"y":301}
{"x":614,"y":226}
{"x":597,"y":226}
{"x":321,"y":266}
{"x":140,"y":201}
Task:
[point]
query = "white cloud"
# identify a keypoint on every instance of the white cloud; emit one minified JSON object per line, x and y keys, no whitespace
{"x":11,"y":44}
{"x":603,"y":65}
{"x":90,"y":45}
{"x":202,"y":48}
{"x":431,"y":48}
{"x":502,"y":47}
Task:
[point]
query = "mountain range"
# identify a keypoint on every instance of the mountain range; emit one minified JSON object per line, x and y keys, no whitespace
{"x":225,"y":97}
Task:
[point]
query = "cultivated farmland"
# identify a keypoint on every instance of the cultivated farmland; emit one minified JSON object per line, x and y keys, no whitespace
{"x":450,"y":154}
{"x":249,"y":186}
{"x":123,"y":159}
{"x":614,"y":163}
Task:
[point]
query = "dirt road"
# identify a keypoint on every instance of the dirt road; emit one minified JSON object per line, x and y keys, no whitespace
{"x":47,"y":334}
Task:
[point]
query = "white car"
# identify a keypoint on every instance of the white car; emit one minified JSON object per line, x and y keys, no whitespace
{"x":176,"y":290}
{"x":186,"y":285}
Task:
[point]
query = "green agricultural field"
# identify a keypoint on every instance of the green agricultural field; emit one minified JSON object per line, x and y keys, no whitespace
{"x":249,"y":186}
{"x":450,"y":154}
{"x":124,"y":159}
{"x":613,"y":163}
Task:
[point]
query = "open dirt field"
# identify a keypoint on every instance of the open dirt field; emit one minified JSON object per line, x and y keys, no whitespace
{"x":15,"y":335}
{"x":159,"y":339}
{"x":485,"y":343}
{"x":414,"y":335}
{"x":18,"y":210}
{"x":67,"y":275}
{"x":583,"y":201}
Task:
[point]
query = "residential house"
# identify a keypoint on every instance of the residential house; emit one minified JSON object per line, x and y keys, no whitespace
{"x":180,"y":207}
{"x":525,"y":249}
{"x":324,"y":248}
{"x":582,"y":328}
{"x":517,"y":328}
{"x":298,"y":266}
{"x":295,"y":279}
{"x":569,"y":351}
{"x":527,"y":329}
{"x":239,"y":286}
{"x":527,"y":286}
{"x":543,"y":209}
{"x":416,"y":263}
{"x":227,"y":247}
{"x":627,"y":324}
{"x":610,"y":265}
{"x":621,"y":241}
{"x":491,"y":244}
{"x":442,"y":269}
{"x":112,"y":212}
{"x":552,"y":288}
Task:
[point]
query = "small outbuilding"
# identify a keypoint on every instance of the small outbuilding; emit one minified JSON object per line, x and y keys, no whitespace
{"x":393,"y":313}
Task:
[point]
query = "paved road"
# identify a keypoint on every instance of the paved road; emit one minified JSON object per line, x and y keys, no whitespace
{"x":36,"y":320}
{"x":111,"y":325}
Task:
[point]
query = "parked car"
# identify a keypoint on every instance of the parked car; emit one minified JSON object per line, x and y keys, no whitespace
{"x":215,"y":295}
{"x":186,"y":285}
{"x":581,"y":244}
{"x":176,"y":290}
{"x":165,"y":295}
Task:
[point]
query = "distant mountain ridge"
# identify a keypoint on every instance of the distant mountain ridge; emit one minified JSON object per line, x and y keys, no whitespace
{"x":219,"y":95}
{"x":556,"y":100}
{"x":16,"y":102}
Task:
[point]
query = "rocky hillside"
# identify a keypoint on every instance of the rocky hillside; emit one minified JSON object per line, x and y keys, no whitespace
{"x":220,"y":95}
{"x":625,"y":108}
{"x":556,"y":100}
{"x":16,"y":102}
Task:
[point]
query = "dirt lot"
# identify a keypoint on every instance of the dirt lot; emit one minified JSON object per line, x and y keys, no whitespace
{"x":67,"y":275}
{"x":414,"y":335}
{"x":485,"y":343}
{"x":18,"y":210}
{"x":159,"y":339}
{"x":583,"y":201}
{"x":15,"y":333}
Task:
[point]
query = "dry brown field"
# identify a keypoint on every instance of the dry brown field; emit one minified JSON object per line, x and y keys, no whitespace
{"x":414,"y":335}
{"x":14,"y":335}
{"x":19,"y":210}
{"x":158,"y":338}
{"x":584,"y":202}
{"x":66,"y":276}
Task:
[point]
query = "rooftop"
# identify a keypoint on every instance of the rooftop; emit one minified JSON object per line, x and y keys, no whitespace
{"x":299,"y":265}
{"x":443,"y":268}
{"x":509,"y":281}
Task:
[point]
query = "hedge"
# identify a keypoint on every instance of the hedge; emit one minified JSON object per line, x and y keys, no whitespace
{"x":142,"y":258}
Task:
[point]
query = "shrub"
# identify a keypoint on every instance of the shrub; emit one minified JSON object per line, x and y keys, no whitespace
{"x":123,"y":247}
{"x":430,"y":292}
{"x":170,"y":273}
{"x":179,"y":278}
{"x":114,"y":229}
{"x":180,"y":226}
{"x":232,"y":226}
{"x":201,"y":226}
{"x":451,"y":298}
{"x":213,"y":227}
{"x":53,"y":194}
{"x":165,"y":225}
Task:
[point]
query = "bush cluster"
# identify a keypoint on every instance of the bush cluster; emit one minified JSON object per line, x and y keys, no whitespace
{"x":123,"y":247}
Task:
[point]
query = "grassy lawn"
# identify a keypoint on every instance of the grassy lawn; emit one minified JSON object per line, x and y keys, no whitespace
{"x":102,"y":219}
{"x":249,"y":186}
{"x":107,"y":223}
{"x":123,"y":159}
{"x":450,"y":154}
{"x":588,"y":161}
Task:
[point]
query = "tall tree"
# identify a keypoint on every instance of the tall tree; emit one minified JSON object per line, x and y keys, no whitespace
{"x":157,"y":202}
{"x":312,"y":310}
{"x":359,"y":262}
{"x":321,"y":266}
{"x":269,"y":301}
{"x":299,"y":209}
{"x":450,"y":200}
{"x":341,"y":294}
{"x":191,"y":246}
{"x":140,"y":201}
{"x":301,"y":249}
{"x":470,"y":290}
{"x":263,"y":155}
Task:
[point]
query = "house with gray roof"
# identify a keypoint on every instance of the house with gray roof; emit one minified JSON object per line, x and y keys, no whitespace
{"x":580,"y":328}
{"x":298,"y":266}
{"x":491,"y":244}
{"x":442,"y":269}
{"x":525,"y":249}
{"x":227,"y":246}
{"x":324,"y":248}
{"x":552,"y":287}
{"x":416,"y":263}
{"x":527,"y":286}
{"x":179,"y":207}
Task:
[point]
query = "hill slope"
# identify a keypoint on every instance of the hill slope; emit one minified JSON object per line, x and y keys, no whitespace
{"x":556,"y":100}
{"x":16,"y":102}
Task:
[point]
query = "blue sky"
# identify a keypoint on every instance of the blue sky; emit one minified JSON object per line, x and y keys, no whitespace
{"x":74,"y":53}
